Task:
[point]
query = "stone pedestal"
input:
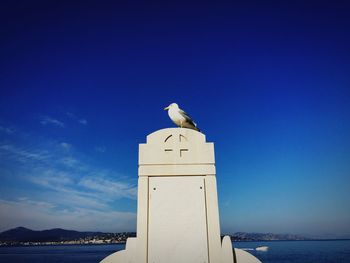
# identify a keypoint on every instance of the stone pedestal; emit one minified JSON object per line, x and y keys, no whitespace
{"x":177,"y":212}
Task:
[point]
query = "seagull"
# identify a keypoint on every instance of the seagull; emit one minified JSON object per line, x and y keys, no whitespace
{"x":180,"y":118}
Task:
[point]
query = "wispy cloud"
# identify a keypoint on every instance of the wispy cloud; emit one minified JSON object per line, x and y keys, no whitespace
{"x":61,"y":188}
{"x":35,"y":203}
{"x":50,"y":178}
{"x":73,"y":116}
{"x":70,"y":162}
{"x":66,"y":146}
{"x":100,"y":149}
{"x":45,"y":120}
{"x":114,"y":189}
{"x":39,"y":215}
{"x":92,"y":191}
{"x":70,"y":115}
{"x":83,"y":121}
{"x":8,"y":130}
{"x":66,"y":185}
{"x":24,"y":154}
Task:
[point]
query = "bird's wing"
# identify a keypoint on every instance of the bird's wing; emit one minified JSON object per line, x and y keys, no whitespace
{"x":187,"y":117}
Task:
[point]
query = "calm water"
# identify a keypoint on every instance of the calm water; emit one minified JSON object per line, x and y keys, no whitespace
{"x":279,"y":252}
{"x":301,"y":251}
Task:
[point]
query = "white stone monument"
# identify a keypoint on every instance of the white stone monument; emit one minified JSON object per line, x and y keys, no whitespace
{"x":177,"y":211}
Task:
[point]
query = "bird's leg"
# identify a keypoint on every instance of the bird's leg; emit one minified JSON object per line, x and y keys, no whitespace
{"x":180,"y":124}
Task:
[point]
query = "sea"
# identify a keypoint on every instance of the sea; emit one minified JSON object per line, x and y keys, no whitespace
{"x":325,"y":251}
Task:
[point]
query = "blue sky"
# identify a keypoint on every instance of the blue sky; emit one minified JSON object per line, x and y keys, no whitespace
{"x":83,"y":83}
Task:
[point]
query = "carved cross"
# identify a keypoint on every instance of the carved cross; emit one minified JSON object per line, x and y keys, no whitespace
{"x":176,"y":146}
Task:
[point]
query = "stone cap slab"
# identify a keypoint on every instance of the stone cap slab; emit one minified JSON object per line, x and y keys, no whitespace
{"x":177,"y":170}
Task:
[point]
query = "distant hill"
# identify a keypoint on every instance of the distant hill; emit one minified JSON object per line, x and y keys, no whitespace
{"x":22,"y":234}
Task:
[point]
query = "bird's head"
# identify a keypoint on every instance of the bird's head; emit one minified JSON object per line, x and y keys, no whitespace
{"x":172,"y":105}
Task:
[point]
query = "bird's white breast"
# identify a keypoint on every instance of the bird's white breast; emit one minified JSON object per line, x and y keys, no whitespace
{"x":175,"y":116}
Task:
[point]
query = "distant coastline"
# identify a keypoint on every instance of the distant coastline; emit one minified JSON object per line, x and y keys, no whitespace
{"x":22,"y":236}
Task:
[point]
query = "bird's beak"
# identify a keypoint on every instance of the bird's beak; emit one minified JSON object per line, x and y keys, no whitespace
{"x":166,"y":108}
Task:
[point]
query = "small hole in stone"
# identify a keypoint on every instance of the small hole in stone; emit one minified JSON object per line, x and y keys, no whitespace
{"x":201,"y":187}
{"x":154,"y":188}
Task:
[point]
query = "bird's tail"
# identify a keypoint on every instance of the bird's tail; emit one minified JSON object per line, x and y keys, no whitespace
{"x":197,"y":129}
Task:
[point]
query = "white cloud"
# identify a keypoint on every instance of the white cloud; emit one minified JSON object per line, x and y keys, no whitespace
{"x":48,"y":120}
